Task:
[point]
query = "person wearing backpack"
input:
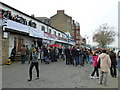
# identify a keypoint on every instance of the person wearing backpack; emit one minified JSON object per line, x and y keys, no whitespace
{"x":118,"y":55}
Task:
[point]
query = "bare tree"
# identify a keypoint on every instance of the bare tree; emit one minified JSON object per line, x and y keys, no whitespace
{"x":104,"y":35}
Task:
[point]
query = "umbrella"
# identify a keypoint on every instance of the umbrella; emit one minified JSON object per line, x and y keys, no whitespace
{"x":54,"y":45}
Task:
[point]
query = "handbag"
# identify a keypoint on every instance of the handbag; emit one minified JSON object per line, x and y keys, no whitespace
{"x":98,"y":64}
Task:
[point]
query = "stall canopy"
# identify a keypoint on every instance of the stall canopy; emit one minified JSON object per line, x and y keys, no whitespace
{"x":54,"y":45}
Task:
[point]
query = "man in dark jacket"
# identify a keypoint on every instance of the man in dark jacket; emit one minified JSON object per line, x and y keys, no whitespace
{"x":77,"y":56}
{"x":74,"y":50}
{"x":46,"y":55}
{"x":113,"y":64}
{"x":81,"y":57}
{"x":13,"y":53}
{"x":118,"y":55}
{"x":67,"y":53}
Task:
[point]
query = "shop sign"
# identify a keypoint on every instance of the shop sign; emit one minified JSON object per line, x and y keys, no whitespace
{"x":49,"y":36}
{"x":5,"y":35}
{"x":36,"y":33}
{"x":17,"y":26}
{"x":46,"y":41}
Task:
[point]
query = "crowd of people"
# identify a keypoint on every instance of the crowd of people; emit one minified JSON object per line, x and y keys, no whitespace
{"x":109,"y":60}
{"x":7,"y":14}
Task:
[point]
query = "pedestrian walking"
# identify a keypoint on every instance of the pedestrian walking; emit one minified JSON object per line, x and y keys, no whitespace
{"x":27,"y":52}
{"x":63,"y":53}
{"x":82,"y":57}
{"x":94,"y":63}
{"x":67,"y":53}
{"x":60,"y":52}
{"x":42,"y":55}
{"x":30,"y":52}
{"x":39,"y":50}
{"x":46,"y":55}
{"x":13,"y":53}
{"x":85,"y":55}
{"x":77,"y":56}
{"x":90,"y":56}
{"x":23,"y":54}
{"x":34,"y":62}
{"x":113,"y":70}
{"x":105,"y":64}
{"x":118,"y":55}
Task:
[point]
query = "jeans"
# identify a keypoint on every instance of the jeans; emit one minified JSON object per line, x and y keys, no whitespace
{"x":27,"y":56}
{"x":23,"y":57}
{"x":46,"y":59}
{"x":77,"y":60}
{"x":31,"y":67}
{"x":95,"y":70}
{"x":86,"y":59}
{"x":118,"y":63}
{"x":90,"y":59}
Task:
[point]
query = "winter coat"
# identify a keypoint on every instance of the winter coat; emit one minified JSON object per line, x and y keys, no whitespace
{"x":94,"y":60}
{"x":45,"y":52}
{"x":67,"y":51}
{"x":34,"y":57}
{"x":105,"y":62}
{"x":74,"y":50}
{"x":113,"y":58}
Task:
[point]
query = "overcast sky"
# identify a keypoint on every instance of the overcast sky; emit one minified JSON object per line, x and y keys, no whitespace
{"x":89,"y":13}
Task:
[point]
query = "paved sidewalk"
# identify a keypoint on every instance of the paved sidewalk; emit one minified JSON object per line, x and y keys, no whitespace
{"x":53,"y":75}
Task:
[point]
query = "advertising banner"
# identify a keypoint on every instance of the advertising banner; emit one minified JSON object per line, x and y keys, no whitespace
{"x":17,"y":26}
{"x":36,"y":33}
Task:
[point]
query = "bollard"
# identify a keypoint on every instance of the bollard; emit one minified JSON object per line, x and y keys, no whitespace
{"x":8,"y":61}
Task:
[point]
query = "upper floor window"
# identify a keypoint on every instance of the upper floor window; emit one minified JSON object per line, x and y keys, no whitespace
{"x":55,"y":33}
{"x":49,"y":31}
{"x":59,"y":34}
{"x":43,"y":28}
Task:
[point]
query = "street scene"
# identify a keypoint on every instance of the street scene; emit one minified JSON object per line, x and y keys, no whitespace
{"x":66,"y":44}
{"x":54,"y":75}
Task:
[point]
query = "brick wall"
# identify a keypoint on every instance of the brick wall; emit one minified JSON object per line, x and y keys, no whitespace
{"x":62,"y":21}
{"x":5,"y":49}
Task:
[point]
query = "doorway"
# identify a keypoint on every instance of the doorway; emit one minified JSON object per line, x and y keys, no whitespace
{"x":20,"y":44}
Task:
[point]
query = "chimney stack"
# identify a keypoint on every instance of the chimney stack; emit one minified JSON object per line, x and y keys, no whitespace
{"x":60,"y":11}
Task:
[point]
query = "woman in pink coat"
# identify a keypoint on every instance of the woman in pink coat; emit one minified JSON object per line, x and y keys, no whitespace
{"x":94,"y":63}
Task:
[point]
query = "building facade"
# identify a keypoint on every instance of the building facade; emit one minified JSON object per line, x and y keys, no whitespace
{"x":62,"y":21}
{"x":76,"y":33}
{"x":44,"y":20}
{"x":67,"y":25}
{"x":18,"y":29}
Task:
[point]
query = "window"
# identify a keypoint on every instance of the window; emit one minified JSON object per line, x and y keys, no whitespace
{"x":63,"y":36}
{"x":55,"y":33}
{"x":43,"y":28}
{"x":49,"y":31}
{"x":59,"y":34}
